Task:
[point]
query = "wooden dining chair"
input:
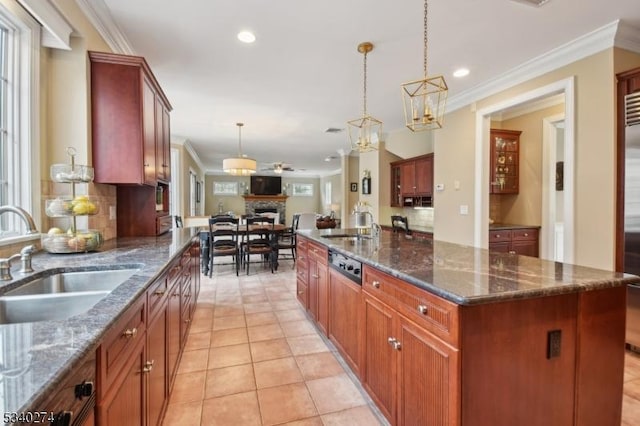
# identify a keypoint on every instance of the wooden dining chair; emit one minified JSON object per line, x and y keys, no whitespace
{"x":400,"y":223}
{"x":287,"y":239}
{"x":258,"y":241}
{"x":223,"y":241}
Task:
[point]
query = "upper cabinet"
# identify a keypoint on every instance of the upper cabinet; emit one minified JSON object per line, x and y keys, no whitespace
{"x":505,"y":150}
{"x":130,"y":121}
{"x":412,"y":182}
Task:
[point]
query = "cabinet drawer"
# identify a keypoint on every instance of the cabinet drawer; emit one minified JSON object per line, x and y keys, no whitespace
{"x":429,"y":311}
{"x":301,"y":244}
{"x":121,"y":341}
{"x":528,"y":234}
{"x":302,"y":293}
{"x":499,"y":235}
{"x":163,"y":224}
{"x":302,"y":270}
{"x":157,"y":295}
{"x":318,"y":252}
{"x":380,"y":285}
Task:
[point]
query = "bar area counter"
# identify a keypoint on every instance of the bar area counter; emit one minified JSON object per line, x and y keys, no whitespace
{"x":445,"y":334}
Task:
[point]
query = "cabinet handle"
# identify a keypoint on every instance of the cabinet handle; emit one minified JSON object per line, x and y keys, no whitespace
{"x":423,"y":309}
{"x":526,"y":235}
{"x":148,"y":366}
{"x":187,"y":321}
{"x":145,"y":164}
{"x":376,"y":284}
{"x":130,"y":332}
{"x":301,"y":292}
{"x":394,"y":343}
{"x":175,"y":294}
{"x":159,"y":292}
{"x":512,"y":252}
{"x":315,"y":276}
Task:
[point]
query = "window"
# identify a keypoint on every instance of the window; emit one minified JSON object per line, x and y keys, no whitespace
{"x":19,"y":137}
{"x":303,"y":189}
{"x":225,"y":188}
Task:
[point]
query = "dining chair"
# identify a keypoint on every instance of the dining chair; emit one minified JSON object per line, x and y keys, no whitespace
{"x":223,"y":241}
{"x":400,"y":223}
{"x":258,"y":241}
{"x":287,"y":239}
{"x":307,"y":221}
{"x":178,"y":221}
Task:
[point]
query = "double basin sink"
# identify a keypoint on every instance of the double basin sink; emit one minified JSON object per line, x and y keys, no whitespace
{"x":60,"y":295}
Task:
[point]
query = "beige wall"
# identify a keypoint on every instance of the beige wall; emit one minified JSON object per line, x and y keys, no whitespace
{"x":336,"y":193}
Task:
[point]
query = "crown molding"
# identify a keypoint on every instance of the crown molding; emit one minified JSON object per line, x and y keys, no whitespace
{"x":613,"y":34}
{"x":98,"y":13}
{"x":192,"y":152}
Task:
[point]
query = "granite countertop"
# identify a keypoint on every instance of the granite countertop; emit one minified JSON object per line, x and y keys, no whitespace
{"x":36,"y":356}
{"x":468,"y":275}
{"x":415,"y":228}
{"x":499,"y":226}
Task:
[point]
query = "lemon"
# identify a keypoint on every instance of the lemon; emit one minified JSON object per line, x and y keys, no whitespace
{"x":55,"y":231}
{"x":81,"y":208}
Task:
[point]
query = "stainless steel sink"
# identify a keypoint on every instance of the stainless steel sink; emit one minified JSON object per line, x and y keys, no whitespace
{"x":68,"y":282}
{"x":47,"y":307}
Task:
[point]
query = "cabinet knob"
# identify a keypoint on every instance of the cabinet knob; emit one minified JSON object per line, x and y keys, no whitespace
{"x":148,"y":366}
{"x":301,"y":292}
{"x":512,"y":252}
{"x":423,"y":309}
{"x":376,"y":284}
{"x":394,"y":343}
{"x":526,"y":234}
{"x":187,"y":321}
{"x":130,"y":332}
{"x":315,"y":276}
{"x":497,"y":235}
{"x":158,"y":292}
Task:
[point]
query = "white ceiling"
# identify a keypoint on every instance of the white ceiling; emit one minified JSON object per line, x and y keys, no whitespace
{"x":303,"y":74}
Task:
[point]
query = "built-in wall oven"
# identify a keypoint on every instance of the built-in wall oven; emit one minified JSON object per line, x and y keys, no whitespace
{"x":347,"y":266}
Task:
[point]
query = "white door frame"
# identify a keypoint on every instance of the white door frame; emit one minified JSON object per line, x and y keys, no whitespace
{"x":549,"y":159}
{"x":483,"y":124}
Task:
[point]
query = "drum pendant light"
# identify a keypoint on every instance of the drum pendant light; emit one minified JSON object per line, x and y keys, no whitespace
{"x":240,"y":165}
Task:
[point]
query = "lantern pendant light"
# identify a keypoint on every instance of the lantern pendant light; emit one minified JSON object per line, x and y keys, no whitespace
{"x":364,"y":132}
{"x":425,"y":99}
{"x":240,"y":165}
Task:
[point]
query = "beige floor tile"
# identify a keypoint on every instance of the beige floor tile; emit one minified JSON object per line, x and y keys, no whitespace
{"x":255,"y":298}
{"x":229,"y":299}
{"x":269,"y":349}
{"x":335,"y":393}
{"x":286,"y":403}
{"x":199,"y":340}
{"x":319,"y":365}
{"x":225,"y":323}
{"x":255,"y":289}
{"x":188,"y":387}
{"x":302,"y":345}
{"x":280,"y":296}
{"x":232,"y":410}
{"x":201,"y":325}
{"x":276,"y":372}
{"x":631,"y":366}
{"x":291,"y":315}
{"x":630,"y":411}
{"x":261,"y":318}
{"x":265,"y":332}
{"x":228,"y":310}
{"x":252,"y":308}
{"x":185,"y":414}
{"x":227,"y":356}
{"x":358,"y":416}
{"x":297,"y":328}
{"x":285,"y":305}
{"x":632,"y":389}
{"x":229,"y":380}
{"x":232,"y":336}
{"x":195,"y":360}
{"x":311,"y":421}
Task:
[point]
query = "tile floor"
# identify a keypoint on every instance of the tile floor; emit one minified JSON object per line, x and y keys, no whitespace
{"x":253,"y":358}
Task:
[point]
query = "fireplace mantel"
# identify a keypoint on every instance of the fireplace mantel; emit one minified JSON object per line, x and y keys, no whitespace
{"x":251,"y":197}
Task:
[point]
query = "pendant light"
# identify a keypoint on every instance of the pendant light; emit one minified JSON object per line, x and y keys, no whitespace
{"x":364,"y":132}
{"x":240,"y":165}
{"x":424,"y":100}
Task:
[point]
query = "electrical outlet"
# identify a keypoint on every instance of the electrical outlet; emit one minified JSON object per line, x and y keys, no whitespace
{"x":112,"y":212}
{"x":554,"y":338}
{"x":440,"y":187}
{"x":464,"y":209}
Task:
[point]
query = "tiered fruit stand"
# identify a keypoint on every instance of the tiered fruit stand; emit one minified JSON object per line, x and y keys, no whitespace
{"x":71,"y":240}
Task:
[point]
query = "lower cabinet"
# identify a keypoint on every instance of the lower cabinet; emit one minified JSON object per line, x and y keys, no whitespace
{"x":523,"y":241}
{"x":138,"y":357}
{"x":318,"y":285}
{"x":344,"y":318}
{"x":302,"y":272}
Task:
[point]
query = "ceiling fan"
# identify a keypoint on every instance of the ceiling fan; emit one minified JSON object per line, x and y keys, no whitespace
{"x":279,"y":168}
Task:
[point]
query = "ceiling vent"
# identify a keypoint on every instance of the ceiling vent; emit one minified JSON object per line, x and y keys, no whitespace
{"x":334,"y":130}
{"x":535,"y":3}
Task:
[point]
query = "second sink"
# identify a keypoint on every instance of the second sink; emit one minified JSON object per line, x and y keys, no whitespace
{"x":68,"y":282}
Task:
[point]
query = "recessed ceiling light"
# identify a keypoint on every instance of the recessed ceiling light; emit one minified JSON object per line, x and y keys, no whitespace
{"x":461,"y":72}
{"x":246,"y":37}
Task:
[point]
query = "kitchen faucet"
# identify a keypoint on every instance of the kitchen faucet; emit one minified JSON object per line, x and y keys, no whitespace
{"x":25,"y":257}
{"x":26,"y":217}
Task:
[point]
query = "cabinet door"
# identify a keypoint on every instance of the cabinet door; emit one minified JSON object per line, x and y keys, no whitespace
{"x":428,"y":378}
{"x":424,"y":176}
{"x":504,"y":161}
{"x":504,"y":247}
{"x":525,"y":248}
{"x":173,"y":330}
{"x":313,"y":287}
{"x":163,"y":142}
{"x":407,"y":178}
{"x":396,"y":196}
{"x":149,"y":132}
{"x":323,"y":298}
{"x":156,"y":367}
{"x":126,"y":406}
{"x":344,"y":318}
{"x":379,"y":361}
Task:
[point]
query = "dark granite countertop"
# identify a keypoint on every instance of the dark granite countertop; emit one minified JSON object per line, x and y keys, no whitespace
{"x":37,"y":356}
{"x":500,"y":226}
{"x":468,"y":275}
{"x":414,"y":228}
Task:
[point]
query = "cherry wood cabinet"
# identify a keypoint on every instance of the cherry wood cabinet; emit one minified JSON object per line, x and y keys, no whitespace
{"x":523,"y":241}
{"x":504,"y":161}
{"x":318,"y":285}
{"x":137,"y":359}
{"x":345,"y":322}
{"x":412,"y":182}
{"x":302,"y":271}
{"x":163,"y":142}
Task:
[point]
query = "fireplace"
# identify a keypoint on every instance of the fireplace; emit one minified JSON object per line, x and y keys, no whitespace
{"x":254,"y":204}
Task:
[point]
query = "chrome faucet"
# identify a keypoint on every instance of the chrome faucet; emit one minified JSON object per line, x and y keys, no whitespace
{"x":376,"y":230}
{"x":25,"y":257}
{"x":26,"y":217}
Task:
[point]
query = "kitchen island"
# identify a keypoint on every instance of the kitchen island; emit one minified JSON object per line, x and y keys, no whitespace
{"x":38,"y":357}
{"x":445,"y":334}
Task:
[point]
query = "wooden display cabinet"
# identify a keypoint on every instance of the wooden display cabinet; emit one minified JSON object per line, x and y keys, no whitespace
{"x":504,"y":161}
{"x":412,"y":182}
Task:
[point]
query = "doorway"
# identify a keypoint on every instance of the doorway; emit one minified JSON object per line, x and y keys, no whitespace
{"x":563,"y":88}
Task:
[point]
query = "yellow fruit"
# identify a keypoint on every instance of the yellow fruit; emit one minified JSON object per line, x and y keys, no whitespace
{"x":91,"y":208}
{"x":77,"y":243}
{"x":55,"y":231}
{"x":81,"y":208}
{"x":80,"y":199}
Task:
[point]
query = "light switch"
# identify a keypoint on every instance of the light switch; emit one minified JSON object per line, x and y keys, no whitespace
{"x":440,"y":187}
{"x":112,"y":212}
{"x":456,"y":185}
{"x":464,"y":209}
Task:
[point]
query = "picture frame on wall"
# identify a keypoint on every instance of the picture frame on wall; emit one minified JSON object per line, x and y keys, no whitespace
{"x":354,"y":186}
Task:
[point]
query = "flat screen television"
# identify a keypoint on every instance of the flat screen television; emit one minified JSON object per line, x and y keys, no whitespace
{"x":266,"y":185}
